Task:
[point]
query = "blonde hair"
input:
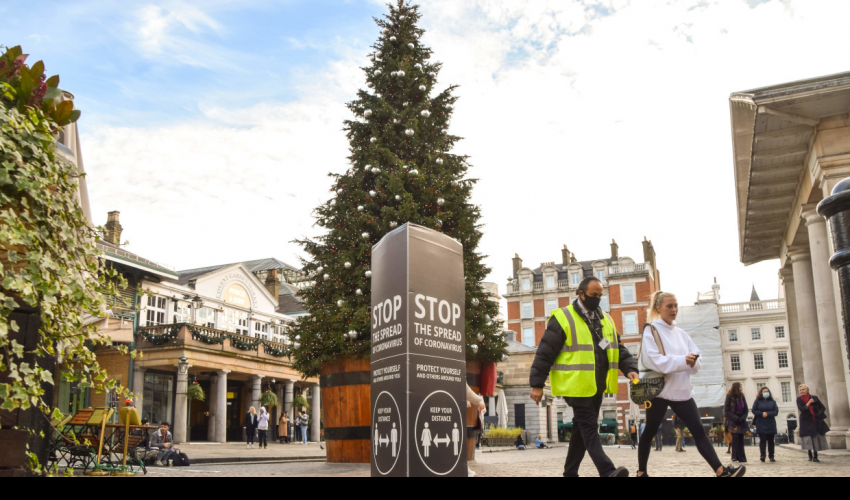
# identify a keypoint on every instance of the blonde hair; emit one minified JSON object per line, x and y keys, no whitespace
{"x":252,"y":410}
{"x":655,"y":302}
{"x":803,"y":385}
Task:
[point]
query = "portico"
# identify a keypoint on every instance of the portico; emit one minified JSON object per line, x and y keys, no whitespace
{"x":791,"y":146}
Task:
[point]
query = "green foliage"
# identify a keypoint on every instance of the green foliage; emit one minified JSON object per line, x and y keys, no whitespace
{"x":196,"y":392}
{"x":436,"y":196}
{"x":500,"y":433}
{"x":48,"y":260}
{"x":28,"y":87}
{"x":300,"y":402}
{"x":268,"y":399}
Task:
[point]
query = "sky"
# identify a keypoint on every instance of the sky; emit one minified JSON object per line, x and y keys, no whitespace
{"x":212,"y":125}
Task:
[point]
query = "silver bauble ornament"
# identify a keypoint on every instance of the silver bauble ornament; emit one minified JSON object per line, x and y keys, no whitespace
{"x":339,"y":191}
{"x":432,"y":74}
{"x":378,"y":96}
{"x":367,"y":113}
{"x":425,"y":113}
{"x":333,"y":203}
{"x":385,"y":31}
{"x":360,"y":208}
{"x":445,"y":131}
{"x":439,"y":161}
{"x":441,"y":201}
{"x":379,"y":54}
{"x":298,"y":337}
{"x":352,"y":335}
{"x":347,"y":265}
{"x":423,"y":88}
{"x":393,"y":224}
{"x":320,"y":269}
{"x":399,"y":73}
{"x":339,"y":303}
{"x":410,"y":46}
{"x":481,"y":337}
{"x":377,"y":72}
{"x":365,"y":236}
{"x":392,"y":38}
{"x":367,"y":168}
{"x":488,"y":318}
{"x":296,"y":345}
{"x":327,"y":276}
{"x":396,"y":121}
{"x":409,"y":132}
{"x":368,"y":274}
{"x":401,"y":18}
{"x":397,"y":198}
{"x":392,"y":74}
{"x":417,"y":66}
{"x":439,"y":223}
{"x":474,"y":348}
{"x":504,"y":358}
{"x":373,"y":140}
{"x":358,"y":292}
{"x":406,"y":104}
{"x":414,"y":172}
{"x":372,"y":194}
{"x":376,"y":170}
{"x":475,"y":302}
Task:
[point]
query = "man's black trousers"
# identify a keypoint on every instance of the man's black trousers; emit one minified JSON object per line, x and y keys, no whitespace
{"x":585,"y":436}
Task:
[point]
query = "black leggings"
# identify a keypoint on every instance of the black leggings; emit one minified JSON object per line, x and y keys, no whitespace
{"x":766,"y":443}
{"x":263,"y":441}
{"x":687,"y":411}
{"x":250,"y":434}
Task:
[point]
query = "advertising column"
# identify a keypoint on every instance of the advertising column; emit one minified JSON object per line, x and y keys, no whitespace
{"x":418,"y":355}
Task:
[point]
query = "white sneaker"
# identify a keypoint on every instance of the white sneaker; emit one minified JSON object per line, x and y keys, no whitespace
{"x":247,"y":446}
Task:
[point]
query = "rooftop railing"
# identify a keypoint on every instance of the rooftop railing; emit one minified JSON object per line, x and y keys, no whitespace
{"x":762,"y":305}
{"x":131,"y":256}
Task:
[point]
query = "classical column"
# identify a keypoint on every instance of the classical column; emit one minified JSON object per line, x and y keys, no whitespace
{"x":181,"y":402}
{"x":256,"y":391}
{"x":787,"y":276}
{"x":316,"y":431}
{"x":213,"y":406}
{"x":807,"y":319}
{"x":278,"y":390}
{"x":138,"y":386}
{"x":833,"y":359}
{"x":221,"y":407}
{"x":287,"y":400}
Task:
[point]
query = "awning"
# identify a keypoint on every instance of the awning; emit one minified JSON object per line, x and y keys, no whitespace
{"x":608,"y":422}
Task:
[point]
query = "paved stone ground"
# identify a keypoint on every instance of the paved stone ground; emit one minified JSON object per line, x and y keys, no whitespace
{"x":237,"y":452}
{"x":547,"y":463}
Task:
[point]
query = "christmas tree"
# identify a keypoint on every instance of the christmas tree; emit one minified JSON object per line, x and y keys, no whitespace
{"x":401,"y":171}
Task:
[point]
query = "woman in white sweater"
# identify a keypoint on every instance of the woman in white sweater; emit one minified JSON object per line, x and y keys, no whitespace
{"x":678,"y":359}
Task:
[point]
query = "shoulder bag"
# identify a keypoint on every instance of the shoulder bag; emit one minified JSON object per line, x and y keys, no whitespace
{"x":651,"y":382}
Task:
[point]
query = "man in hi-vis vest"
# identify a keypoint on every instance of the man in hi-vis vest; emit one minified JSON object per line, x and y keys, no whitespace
{"x":582,"y":355}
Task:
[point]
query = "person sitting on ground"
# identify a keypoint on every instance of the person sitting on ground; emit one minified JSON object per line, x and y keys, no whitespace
{"x":519,"y":443}
{"x":539,"y":444}
{"x":164,"y":442}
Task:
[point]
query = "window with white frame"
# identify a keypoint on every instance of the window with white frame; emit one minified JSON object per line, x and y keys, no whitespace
{"x":236,"y":321}
{"x":628,"y":294}
{"x":155,"y":310}
{"x":633,"y":348}
{"x":550,"y":282}
{"x":526,"y":284}
{"x":182,"y":312}
{"x":786,"y":391}
{"x":735,"y":362}
{"x":527,"y":310}
{"x":758,"y":360}
{"x":760,"y":386}
{"x":756,"y":333}
{"x":600,"y":275}
{"x":630,"y":323}
{"x":575,"y":279}
{"x":528,"y":337}
{"x":782,"y":356}
{"x":261,"y":330}
{"x":206,"y":317}
{"x":780,"y":332}
{"x":605,"y":303}
{"x":733,"y":335}
{"x":551,"y":305}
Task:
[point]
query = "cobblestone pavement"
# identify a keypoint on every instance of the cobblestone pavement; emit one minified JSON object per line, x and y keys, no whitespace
{"x":546,"y":463}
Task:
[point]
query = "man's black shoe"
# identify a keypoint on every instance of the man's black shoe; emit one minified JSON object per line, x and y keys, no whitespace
{"x":733,"y":472}
{"x":620,"y":472}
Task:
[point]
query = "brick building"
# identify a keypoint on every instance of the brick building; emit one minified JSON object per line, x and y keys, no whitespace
{"x":532,"y":294}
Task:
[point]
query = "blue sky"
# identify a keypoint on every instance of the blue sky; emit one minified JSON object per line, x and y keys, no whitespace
{"x":212,"y":125}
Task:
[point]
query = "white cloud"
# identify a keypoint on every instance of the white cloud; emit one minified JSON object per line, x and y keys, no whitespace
{"x":585,"y":121}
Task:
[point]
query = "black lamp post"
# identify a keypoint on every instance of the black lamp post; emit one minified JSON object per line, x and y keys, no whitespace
{"x":836,"y":209}
{"x":197,"y":304}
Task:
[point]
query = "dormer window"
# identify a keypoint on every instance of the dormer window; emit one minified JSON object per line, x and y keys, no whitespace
{"x":526,"y":284}
{"x":575,"y":279}
{"x":550,"y":281}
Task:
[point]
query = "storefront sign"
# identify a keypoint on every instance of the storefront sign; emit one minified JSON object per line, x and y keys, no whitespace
{"x":418,"y":355}
{"x":236,"y":289}
{"x":236,"y":295}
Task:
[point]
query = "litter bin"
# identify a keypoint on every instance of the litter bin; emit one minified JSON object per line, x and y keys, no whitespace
{"x":792,"y":426}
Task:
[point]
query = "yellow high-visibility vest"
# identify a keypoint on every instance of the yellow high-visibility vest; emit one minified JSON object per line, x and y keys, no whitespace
{"x":574,"y":372}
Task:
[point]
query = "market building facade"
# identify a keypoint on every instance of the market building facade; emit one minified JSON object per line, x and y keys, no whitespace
{"x":791,"y":146}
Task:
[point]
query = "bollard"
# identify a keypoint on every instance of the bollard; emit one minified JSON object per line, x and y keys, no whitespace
{"x":836,"y":209}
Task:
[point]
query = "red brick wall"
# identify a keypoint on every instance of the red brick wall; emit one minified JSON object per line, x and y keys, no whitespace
{"x":614,"y":294}
{"x":539,"y":308}
{"x":617,"y":315}
{"x":643,"y":290}
{"x":117,"y":367}
{"x":563,"y":302}
{"x":539,"y":328}
{"x":513,"y":310}
{"x":516,"y":327}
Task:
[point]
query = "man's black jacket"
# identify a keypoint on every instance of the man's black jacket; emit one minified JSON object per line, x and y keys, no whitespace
{"x":553,"y":341}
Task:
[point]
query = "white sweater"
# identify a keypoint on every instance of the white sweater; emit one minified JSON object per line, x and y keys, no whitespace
{"x":677,"y":346}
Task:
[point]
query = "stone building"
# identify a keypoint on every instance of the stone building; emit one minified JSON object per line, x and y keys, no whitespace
{"x":536,"y":419}
{"x":757,"y":352}
{"x":224,"y":327}
{"x":791,"y":146}
{"x":532,"y":294}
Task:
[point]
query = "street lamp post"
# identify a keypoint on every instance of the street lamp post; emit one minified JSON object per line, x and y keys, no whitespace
{"x":836,"y":209}
{"x":197,"y":304}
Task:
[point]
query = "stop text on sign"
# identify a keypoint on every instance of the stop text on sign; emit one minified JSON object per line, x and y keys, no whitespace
{"x":386,"y":311}
{"x":448,"y":313}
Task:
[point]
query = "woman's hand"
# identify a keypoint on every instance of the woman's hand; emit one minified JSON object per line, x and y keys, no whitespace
{"x":691,"y":360}
{"x":764,"y":415}
{"x":482,"y":406}
{"x":810,"y":403}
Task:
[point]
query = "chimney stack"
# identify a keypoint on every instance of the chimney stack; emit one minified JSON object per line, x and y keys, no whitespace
{"x":615,"y":251}
{"x":565,"y":255}
{"x":113,"y":229}
{"x":517,"y":265}
{"x":573,"y":259}
{"x":273,"y":283}
{"x":649,"y":258}
{"x":510,"y":335}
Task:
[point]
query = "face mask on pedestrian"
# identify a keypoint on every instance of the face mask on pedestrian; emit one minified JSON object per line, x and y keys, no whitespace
{"x":765,"y":395}
{"x":591,"y":303}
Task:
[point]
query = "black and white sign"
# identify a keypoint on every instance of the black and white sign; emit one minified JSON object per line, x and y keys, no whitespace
{"x":418,"y":355}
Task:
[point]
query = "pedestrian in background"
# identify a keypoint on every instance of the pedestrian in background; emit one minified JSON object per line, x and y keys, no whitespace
{"x":678,"y":358}
{"x":633,"y":430}
{"x":303,"y":422}
{"x":736,"y":414}
{"x":283,"y":428}
{"x":727,"y":436}
{"x":659,"y":442}
{"x":474,"y":400}
{"x":813,"y":429}
{"x":250,"y":426}
{"x":263,"y":429}
{"x":582,"y":356}
{"x":765,"y":411}
{"x":679,"y":427}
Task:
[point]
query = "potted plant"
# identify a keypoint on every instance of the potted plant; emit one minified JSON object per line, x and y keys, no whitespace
{"x":268,"y":399}
{"x":195,"y":392}
{"x":300,"y":402}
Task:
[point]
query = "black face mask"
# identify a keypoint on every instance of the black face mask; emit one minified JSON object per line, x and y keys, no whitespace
{"x":591,"y":303}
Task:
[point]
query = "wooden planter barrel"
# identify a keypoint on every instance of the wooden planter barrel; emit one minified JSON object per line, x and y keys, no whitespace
{"x":473,"y":379}
{"x":346,"y":401}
